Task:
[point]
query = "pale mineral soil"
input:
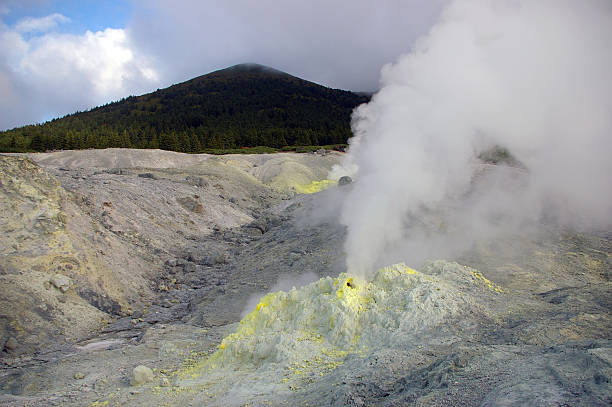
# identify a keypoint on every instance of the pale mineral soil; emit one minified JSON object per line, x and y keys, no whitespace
{"x":110,"y":259}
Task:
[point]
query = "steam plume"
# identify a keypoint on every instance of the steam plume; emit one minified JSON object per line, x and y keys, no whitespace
{"x":532,"y":76}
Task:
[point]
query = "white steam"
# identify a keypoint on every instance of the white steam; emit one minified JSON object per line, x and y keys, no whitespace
{"x":533,"y":76}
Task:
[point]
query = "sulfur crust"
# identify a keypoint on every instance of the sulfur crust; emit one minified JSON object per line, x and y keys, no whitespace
{"x":292,"y":337}
{"x":329,"y":319}
{"x":314,"y":186}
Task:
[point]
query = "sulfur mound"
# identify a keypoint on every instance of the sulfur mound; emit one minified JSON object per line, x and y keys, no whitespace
{"x":291,"y":337}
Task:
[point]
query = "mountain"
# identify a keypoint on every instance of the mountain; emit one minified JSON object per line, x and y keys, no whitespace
{"x":240,"y":106}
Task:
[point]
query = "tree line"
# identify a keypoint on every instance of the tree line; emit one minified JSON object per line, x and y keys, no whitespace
{"x":237,"y":107}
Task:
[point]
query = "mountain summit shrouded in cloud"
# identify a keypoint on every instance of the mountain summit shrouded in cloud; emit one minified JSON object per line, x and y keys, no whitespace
{"x":59,"y":57}
{"x":534,"y":77}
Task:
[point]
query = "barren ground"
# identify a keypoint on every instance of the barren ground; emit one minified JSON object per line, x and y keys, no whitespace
{"x":116,"y":258}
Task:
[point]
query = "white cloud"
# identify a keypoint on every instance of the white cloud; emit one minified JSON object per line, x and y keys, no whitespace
{"x":340,"y":43}
{"x":104,"y":59}
{"x":53,"y":74}
{"x":42,"y":24}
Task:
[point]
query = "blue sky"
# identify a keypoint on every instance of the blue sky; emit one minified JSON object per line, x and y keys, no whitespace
{"x":83,"y":14}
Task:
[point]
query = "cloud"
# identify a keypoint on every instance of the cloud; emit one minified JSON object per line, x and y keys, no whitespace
{"x":42,"y":24}
{"x":340,"y":43}
{"x":52,"y":74}
{"x":104,"y":60}
{"x":531,"y":76}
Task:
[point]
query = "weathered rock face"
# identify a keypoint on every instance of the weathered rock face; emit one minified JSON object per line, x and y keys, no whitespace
{"x":65,"y":265}
{"x":39,"y":256}
{"x":84,"y":240}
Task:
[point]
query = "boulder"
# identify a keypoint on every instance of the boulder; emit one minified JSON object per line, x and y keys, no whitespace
{"x":61,"y":282}
{"x":11,"y":344}
{"x":196,"y":181}
{"x":345,"y":180}
{"x":190,"y":267}
{"x":210,"y":257}
{"x":141,"y":375}
{"x":191,"y":203}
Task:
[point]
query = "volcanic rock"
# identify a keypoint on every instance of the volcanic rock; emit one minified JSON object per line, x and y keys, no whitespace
{"x":345,"y":180}
{"x":141,"y":375}
{"x":11,"y":344}
{"x":61,"y":282}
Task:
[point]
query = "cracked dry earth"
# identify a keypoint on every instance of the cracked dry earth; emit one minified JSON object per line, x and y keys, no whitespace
{"x":111,"y":259}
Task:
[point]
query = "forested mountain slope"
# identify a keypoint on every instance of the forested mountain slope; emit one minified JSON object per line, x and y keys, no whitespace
{"x":244,"y":105}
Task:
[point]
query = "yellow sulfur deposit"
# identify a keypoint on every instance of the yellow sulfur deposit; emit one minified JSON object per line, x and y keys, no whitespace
{"x":335,"y":316}
{"x":314,"y":186}
{"x":291,"y":337}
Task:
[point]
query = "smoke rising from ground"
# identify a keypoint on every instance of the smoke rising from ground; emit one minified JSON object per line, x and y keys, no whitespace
{"x":532,"y":76}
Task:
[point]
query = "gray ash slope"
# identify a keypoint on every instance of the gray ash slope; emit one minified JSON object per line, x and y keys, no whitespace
{"x":197,"y":263}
